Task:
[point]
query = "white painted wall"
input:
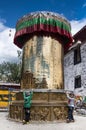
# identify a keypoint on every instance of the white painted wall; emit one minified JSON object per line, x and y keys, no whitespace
{"x":71,"y":71}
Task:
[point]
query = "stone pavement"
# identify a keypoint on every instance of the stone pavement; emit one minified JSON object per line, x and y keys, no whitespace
{"x":5,"y":124}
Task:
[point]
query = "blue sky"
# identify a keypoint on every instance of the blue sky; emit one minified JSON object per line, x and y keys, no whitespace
{"x":12,"y":10}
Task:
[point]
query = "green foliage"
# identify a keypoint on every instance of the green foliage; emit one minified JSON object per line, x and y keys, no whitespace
{"x":11,"y":72}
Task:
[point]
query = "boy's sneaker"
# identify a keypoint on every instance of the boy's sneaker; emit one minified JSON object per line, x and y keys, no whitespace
{"x":24,"y":122}
{"x":28,"y":122}
{"x":72,"y":120}
{"x":68,"y":121}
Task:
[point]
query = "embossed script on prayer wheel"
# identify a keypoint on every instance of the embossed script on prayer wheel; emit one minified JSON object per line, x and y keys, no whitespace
{"x":44,"y":37}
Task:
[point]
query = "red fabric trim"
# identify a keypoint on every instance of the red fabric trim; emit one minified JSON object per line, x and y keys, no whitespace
{"x":42,"y":27}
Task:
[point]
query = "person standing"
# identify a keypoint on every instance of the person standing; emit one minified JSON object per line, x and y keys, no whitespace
{"x":71,"y":104}
{"x":27,"y":104}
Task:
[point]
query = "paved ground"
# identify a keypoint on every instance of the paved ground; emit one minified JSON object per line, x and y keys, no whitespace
{"x":5,"y":124}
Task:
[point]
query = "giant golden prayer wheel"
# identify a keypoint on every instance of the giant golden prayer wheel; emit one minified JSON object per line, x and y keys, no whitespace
{"x":44,"y":37}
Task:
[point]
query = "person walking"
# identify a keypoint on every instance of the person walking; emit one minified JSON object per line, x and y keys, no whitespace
{"x":27,"y":105}
{"x":71,"y":104}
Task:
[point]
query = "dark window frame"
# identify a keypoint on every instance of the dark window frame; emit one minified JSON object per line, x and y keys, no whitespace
{"x":77,"y":55}
{"x":78,"y":81}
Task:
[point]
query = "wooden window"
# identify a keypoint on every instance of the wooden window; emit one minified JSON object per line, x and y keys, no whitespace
{"x":77,"y":55}
{"x":78,"y":81}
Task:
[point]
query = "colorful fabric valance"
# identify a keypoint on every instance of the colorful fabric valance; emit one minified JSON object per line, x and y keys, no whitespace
{"x":41,"y":24}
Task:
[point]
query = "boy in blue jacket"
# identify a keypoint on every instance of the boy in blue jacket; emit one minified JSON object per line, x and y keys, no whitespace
{"x":27,"y":104}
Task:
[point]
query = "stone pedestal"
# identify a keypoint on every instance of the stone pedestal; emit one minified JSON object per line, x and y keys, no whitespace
{"x":47,"y":105}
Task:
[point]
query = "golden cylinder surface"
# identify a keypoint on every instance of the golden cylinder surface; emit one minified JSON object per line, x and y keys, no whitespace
{"x":42,"y":58}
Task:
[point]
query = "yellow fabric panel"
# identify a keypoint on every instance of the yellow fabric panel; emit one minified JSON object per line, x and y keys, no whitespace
{"x":4,"y":92}
{"x":4,"y":104}
{"x":4,"y":100}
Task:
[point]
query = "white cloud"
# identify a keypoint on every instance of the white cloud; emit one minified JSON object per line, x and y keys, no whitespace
{"x":2,"y":27}
{"x":8,"y":51}
{"x":77,"y":25}
{"x":84,"y":5}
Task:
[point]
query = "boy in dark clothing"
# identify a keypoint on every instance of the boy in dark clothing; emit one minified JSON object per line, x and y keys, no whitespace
{"x":71,"y":104}
{"x":27,"y":105}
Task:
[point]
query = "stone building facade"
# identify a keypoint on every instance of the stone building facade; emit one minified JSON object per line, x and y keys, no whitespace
{"x":75,"y":64}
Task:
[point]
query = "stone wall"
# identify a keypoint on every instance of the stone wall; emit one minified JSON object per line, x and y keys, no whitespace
{"x":71,"y":70}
